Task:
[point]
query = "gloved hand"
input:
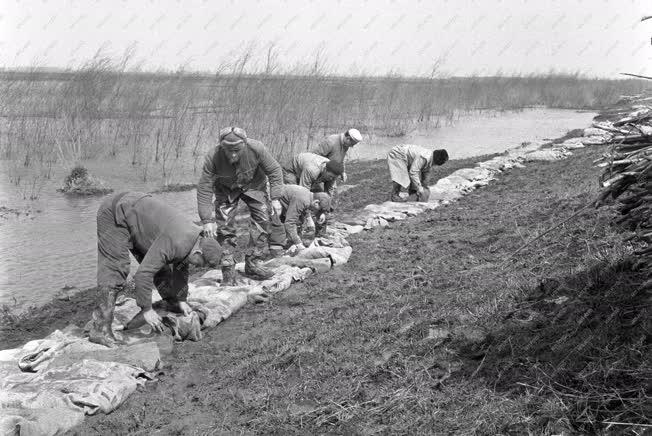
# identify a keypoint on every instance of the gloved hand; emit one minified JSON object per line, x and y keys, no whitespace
{"x":321,"y":219}
{"x":276,"y":206}
{"x":210,"y":229}
{"x":153,"y":319}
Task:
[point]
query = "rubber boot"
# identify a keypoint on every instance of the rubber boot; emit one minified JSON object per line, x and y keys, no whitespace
{"x":102,"y":318}
{"x":229,"y":274}
{"x":396,"y":191}
{"x":254,"y":270}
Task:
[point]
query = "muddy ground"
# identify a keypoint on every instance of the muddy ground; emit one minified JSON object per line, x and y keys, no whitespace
{"x":430,"y":328}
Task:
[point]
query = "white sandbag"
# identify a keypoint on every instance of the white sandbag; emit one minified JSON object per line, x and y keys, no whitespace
{"x":550,"y":154}
{"x":316,"y":265}
{"x":339,"y":255}
{"x":41,"y":422}
{"x":284,"y":276}
{"x":374,"y":222}
{"x":573,"y":143}
{"x":596,"y":140}
{"x":476,"y":174}
{"x":220,"y":302}
{"x":595,"y":131}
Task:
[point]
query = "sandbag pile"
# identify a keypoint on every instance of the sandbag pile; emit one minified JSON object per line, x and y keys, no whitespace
{"x":627,"y":175}
{"x":48,"y":385}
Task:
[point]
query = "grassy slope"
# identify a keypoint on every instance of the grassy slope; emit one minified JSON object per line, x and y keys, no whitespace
{"x":423,"y":331}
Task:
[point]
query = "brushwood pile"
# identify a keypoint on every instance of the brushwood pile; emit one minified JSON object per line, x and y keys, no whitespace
{"x":627,"y":175}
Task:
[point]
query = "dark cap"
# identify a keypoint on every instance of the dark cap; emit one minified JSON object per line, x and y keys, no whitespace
{"x":211,"y":250}
{"x":335,"y":167}
{"x":439,"y":157}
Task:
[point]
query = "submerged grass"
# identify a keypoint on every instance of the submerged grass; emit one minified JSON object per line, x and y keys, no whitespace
{"x":426,"y":330}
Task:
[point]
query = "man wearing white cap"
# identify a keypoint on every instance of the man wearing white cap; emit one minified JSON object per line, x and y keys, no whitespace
{"x":238,"y":168}
{"x":335,"y":147}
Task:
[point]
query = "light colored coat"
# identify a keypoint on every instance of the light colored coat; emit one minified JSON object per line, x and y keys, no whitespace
{"x":306,"y":170}
{"x":409,"y":165}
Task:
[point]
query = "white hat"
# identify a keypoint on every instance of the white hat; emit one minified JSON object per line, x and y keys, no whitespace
{"x":354,"y":134}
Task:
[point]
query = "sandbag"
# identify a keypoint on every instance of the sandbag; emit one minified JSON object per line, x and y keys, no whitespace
{"x":38,"y":421}
{"x":549,"y":154}
{"x":338,"y":255}
{"x":316,"y":265}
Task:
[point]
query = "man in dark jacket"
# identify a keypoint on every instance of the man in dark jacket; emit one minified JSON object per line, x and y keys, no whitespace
{"x":299,"y":204}
{"x":163,"y":241}
{"x":238,"y":168}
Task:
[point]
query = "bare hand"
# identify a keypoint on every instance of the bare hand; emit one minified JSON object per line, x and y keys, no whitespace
{"x":185,"y":308}
{"x":153,"y":319}
{"x":321,"y":219}
{"x":277,"y":208}
{"x":344,"y":177}
{"x":310,"y":223}
{"x":210,"y":230}
{"x":420,"y":190}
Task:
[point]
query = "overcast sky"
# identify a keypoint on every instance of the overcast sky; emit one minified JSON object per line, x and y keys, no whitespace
{"x":594,"y":37}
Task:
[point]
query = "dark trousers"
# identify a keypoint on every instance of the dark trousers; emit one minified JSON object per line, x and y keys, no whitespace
{"x":113,"y":264}
{"x":226,"y":207}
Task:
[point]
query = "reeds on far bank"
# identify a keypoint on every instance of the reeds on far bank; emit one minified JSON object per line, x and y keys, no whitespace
{"x":160,"y":120}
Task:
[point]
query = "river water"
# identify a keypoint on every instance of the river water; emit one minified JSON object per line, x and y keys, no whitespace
{"x":51,"y":242}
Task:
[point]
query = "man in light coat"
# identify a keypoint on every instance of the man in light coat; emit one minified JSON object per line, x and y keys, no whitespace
{"x":312,"y":171}
{"x":409,"y":166}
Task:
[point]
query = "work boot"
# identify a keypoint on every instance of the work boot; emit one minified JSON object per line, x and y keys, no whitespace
{"x":100,"y":326}
{"x":255,"y":270}
{"x":229,"y":274}
{"x":396,"y":193}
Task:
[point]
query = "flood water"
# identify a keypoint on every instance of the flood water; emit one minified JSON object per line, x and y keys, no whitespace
{"x":51,"y":243}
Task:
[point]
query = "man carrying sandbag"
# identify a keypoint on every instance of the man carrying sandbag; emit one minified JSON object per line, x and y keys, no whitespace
{"x":409,"y":166}
{"x":238,"y":168}
{"x":299,"y":204}
{"x":163,"y":241}
{"x":334,"y":147}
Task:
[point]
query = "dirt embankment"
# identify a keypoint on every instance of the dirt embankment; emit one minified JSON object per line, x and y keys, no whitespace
{"x":426,"y":330}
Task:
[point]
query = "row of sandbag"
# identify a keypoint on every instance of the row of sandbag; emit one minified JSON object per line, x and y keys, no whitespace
{"x":458,"y":184}
{"x":48,"y":385}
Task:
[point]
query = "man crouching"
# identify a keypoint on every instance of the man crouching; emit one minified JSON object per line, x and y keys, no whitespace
{"x":298,"y":205}
{"x":163,"y":241}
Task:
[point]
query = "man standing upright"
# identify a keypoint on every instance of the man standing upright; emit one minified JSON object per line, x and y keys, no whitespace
{"x":335,"y":147}
{"x":238,"y":168}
